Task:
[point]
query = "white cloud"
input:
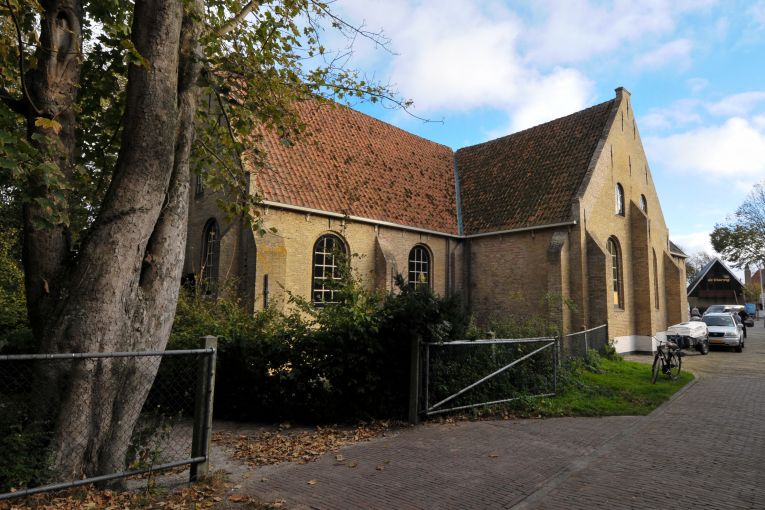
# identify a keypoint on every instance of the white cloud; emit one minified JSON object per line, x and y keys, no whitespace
{"x":458,"y":55}
{"x":697,"y":84}
{"x":544,"y":98}
{"x":739,"y":104}
{"x":576,"y":31}
{"x":756,"y":13}
{"x":679,"y":114}
{"x":734,"y":149}
{"x":693,"y":242}
{"x":676,"y":53}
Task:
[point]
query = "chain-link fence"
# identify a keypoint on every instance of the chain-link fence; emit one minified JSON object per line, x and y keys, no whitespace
{"x":576,"y":345}
{"x":74,"y":419}
{"x":465,"y":374}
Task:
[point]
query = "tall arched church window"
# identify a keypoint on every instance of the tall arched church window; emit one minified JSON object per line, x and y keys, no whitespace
{"x":619,"y":192}
{"x":199,"y":184}
{"x":643,"y":204}
{"x":616,"y":273}
{"x":655,"y":281}
{"x":210,"y":256}
{"x":328,"y":255}
{"x":419,"y":267}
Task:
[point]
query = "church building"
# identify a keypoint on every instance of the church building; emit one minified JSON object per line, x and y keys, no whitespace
{"x":563,"y":211}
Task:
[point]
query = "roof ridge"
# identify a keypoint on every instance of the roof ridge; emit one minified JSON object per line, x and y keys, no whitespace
{"x":539,"y":126}
{"x":331,"y":103}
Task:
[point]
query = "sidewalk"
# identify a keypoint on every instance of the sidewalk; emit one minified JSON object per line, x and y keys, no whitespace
{"x":703,"y":449}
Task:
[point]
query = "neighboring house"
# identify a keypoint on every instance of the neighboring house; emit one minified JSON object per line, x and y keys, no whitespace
{"x":715,"y":284}
{"x":566,"y":209}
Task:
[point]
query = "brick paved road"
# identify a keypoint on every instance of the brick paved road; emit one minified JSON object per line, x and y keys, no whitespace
{"x":703,"y":449}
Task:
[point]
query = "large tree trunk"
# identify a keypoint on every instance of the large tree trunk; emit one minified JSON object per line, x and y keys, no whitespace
{"x":120,"y":293}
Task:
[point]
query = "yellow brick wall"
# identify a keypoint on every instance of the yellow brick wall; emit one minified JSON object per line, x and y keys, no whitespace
{"x":501,"y":276}
{"x":510,"y":275}
{"x":623,"y":161}
{"x":287,"y":255}
{"x":203,"y":208}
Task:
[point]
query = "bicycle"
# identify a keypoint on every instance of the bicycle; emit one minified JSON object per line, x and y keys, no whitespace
{"x":667,"y":361}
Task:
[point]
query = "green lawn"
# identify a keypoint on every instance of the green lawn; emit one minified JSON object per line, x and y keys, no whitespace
{"x":611,"y":387}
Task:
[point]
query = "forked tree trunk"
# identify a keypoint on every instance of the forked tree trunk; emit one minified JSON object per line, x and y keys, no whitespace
{"x":122,"y":290}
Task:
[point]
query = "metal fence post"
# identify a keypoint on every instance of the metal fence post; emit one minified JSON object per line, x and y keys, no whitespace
{"x":203,"y":410}
{"x":556,"y":361}
{"x":414,"y":381}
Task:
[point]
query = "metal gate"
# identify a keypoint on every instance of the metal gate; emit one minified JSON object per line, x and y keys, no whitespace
{"x":467,"y":374}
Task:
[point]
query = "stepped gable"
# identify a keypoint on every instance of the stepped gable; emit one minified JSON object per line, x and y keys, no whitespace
{"x":531,"y":177}
{"x":353,"y":164}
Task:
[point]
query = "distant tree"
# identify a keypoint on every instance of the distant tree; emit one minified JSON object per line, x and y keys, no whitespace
{"x":694,"y":263}
{"x":752,"y":292}
{"x":741,"y":240}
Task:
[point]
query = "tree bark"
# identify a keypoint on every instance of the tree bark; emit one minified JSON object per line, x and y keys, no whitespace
{"x":52,"y":88}
{"x":120,"y":293}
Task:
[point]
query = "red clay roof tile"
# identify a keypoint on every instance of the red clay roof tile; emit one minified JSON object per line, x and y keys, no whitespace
{"x":350,"y":163}
{"x":531,"y":177}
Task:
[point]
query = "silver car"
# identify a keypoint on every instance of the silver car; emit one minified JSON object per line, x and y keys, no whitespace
{"x":724,"y":330}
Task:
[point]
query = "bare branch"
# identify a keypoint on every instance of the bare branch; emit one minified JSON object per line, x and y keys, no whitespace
{"x":376,"y":37}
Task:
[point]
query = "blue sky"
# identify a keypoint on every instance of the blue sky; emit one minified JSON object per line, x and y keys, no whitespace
{"x":695,"y":68}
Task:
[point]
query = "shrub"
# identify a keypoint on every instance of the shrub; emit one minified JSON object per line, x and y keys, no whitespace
{"x":343,"y":361}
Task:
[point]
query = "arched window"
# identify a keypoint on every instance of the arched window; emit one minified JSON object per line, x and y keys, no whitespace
{"x":419,"y":267}
{"x":210,"y":256}
{"x":655,"y":281}
{"x":328,"y":254}
{"x":619,"y":199}
{"x":616,"y":272}
{"x":643,"y":204}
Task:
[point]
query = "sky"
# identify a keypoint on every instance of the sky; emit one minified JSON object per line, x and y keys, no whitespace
{"x":484,"y":69}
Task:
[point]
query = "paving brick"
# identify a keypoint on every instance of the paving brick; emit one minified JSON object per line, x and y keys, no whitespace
{"x":703,"y":449}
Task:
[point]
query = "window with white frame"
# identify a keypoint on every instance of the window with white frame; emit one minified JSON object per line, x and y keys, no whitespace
{"x":419,"y":267}
{"x":328,"y":255}
{"x":619,"y":192}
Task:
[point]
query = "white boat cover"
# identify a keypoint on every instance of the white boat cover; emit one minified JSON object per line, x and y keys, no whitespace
{"x":695,"y":329}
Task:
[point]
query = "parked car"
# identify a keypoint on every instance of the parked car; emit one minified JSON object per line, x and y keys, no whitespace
{"x":723,"y":308}
{"x":748,"y":320}
{"x":724,"y":330}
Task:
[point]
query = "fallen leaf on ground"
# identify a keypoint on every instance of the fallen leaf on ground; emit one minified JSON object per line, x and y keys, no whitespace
{"x":205,"y":494}
{"x":286,"y":445}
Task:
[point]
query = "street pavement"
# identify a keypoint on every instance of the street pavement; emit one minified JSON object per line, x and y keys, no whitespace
{"x":705,"y":448}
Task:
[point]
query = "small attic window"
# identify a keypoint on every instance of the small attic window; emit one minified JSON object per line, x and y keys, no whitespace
{"x":619,"y":203}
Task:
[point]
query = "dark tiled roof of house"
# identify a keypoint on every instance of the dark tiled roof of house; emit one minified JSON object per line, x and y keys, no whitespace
{"x":350,"y":163}
{"x":531,"y":177}
{"x":707,"y":268}
{"x":676,"y":250}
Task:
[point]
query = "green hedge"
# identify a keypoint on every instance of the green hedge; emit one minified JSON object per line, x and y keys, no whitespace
{"x":345,"y":361}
